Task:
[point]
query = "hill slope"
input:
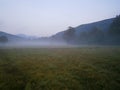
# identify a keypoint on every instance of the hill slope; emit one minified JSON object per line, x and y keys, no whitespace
{"x":10,"y":36}
{"x":102,"y":25}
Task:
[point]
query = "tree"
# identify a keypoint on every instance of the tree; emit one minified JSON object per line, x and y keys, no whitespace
{"x":83,"y":37}
{"x":69,"y":35}
{"x":115,"y":27}
{"x":96,"y":35}
{"x":3,"y":39}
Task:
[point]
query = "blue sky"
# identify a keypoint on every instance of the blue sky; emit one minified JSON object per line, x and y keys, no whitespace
{"x":47,"y":17}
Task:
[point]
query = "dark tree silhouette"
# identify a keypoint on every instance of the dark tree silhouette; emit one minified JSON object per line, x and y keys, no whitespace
{"x":69,"y":35}
{"x":96,"y":35}
{"x":114,"y":32}
{"x":83,"y":37}
{"x":115,"y":27}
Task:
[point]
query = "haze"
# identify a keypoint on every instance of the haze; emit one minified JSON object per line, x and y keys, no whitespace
{"x":47,"y":17}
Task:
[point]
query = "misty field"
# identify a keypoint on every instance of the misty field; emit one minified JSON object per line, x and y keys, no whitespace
{"x":85,"y":68}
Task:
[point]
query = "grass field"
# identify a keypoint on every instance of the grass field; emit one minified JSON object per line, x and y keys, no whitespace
{"x":87,"y":68}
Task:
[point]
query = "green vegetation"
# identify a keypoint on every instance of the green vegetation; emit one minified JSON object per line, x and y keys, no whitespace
{"x":115,"y":27}
{"x":69,"y":35}
{"x":94,"y":36}
{"x":88,"y":68}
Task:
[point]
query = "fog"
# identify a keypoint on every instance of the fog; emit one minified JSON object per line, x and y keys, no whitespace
{"x":35,"y":44}
{"x":50,"y":44}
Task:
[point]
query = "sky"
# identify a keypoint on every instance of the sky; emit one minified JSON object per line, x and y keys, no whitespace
{"x":47,"y":17}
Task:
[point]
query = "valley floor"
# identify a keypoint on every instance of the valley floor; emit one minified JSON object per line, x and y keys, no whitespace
{"x":78,"y":68}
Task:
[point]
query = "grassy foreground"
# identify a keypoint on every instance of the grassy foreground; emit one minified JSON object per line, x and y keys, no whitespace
{"x":89,"y":68}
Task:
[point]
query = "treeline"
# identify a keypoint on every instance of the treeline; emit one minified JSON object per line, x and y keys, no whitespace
{"x":95,"y":35}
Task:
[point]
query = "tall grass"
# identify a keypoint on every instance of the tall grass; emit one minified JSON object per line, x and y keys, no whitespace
{"x":88,"y":68}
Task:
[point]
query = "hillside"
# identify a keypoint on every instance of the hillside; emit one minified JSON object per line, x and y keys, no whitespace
{"x":102,"y":25}
{"x":10,"y":37}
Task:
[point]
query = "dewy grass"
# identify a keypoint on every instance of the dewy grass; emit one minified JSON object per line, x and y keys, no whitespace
{"x":88,"y":68}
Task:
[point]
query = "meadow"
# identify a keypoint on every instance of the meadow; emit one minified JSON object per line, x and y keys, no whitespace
{"x":80,"y":68}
